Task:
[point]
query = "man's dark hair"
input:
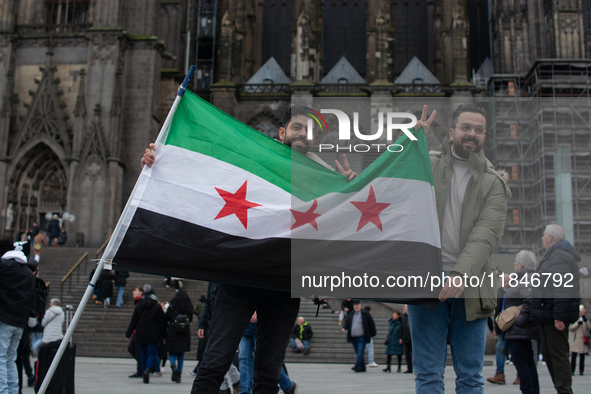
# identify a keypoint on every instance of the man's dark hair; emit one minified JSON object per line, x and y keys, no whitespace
{"x":294,"y":110}
{"x":466,"y":108}
{"x":6,"y":245}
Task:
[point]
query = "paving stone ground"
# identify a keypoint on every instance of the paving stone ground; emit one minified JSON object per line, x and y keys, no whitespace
{"x":110,"y":375}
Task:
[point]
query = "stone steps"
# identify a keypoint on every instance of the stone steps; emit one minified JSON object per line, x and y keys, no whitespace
{"x":101,"y":331}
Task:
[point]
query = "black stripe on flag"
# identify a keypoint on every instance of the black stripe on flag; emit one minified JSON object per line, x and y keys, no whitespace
{"x":162,"y":245}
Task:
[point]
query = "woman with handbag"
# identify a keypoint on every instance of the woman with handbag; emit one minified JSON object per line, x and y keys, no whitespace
{"x":523,"y":330}
{"x":578,"y":340}
{"x":394,"y":341}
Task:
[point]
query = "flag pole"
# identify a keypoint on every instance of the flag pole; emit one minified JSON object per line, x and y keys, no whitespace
{"x":108,"y":249}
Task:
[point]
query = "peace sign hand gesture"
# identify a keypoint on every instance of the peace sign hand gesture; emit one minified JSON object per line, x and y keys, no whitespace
{"x":345,"y":171}
{"x":424,"y":122}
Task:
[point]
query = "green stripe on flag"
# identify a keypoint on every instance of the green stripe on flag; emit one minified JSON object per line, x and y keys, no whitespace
{"x":200,"y":127}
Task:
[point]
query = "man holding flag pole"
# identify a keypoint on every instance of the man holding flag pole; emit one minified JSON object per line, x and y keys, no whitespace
{"x":276,"y":309}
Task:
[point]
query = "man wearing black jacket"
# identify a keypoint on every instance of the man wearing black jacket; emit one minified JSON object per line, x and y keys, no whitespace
{"x":150,"y":328}
{"x":16,"y":300}
{"x":555,"y":303}
{"x":407,"y":340}
{"x":360,"y":329}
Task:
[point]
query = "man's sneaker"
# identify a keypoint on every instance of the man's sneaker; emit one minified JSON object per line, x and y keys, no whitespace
{"x":499,"y":378}
{"x":192,"y":373}
{"x":307,"y":351}
{"x":157,"y":374}
{"x":293,"y":389}
{"x":373,"y":364}
{"x":517,"y":380}
{"x":147,"y":375}
{"x":136,"y":375}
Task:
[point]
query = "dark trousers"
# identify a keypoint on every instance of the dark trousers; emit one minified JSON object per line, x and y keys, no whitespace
{"x":408,"y":355}
{"x":556,"y":351}
{"x":134,"y":349}
{"x":234,"y":306}
{"x":573,"y":363}
{"x":522,"y":355}
{"x":22,"y":358}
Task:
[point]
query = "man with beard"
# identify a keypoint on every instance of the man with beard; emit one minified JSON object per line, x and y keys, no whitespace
{"x":235,"y":305}
{"x":471,"y":200}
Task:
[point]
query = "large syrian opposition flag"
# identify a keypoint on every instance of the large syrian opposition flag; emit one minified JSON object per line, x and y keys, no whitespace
{"x":224,"y":202}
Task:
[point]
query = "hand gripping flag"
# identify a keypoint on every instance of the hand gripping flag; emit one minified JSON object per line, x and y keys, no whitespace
{"x":224,"y":202}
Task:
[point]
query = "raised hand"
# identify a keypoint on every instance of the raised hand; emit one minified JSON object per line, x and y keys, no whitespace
{"x":346,"y":171}
{"x":424,"y":122}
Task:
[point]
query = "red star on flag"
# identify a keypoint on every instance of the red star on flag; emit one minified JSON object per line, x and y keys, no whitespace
{"x":236,"y":204}
{"x":309,"y":216}
{"x":370,"y":210}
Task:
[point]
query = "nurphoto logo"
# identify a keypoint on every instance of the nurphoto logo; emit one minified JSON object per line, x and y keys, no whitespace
{"x":392,"y":120}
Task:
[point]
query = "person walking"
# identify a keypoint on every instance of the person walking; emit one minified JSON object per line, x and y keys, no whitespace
{"x":133,"y":347}
{"x":360,"y":328}
{"x":394,"y":342}
{"x":179,"y":315}
{"x":406,"y":339}
{"x":120,"y":282}
{"x":521,"y":333}
{"x":576,"y":341}
{"x":150,"y":328}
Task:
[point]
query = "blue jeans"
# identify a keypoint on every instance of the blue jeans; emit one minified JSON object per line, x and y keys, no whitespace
{"x":430,"y":330}
{"x":501,"y":352}
{"x":246,"y":349}
{"x":120,"y":290}
{"x":234,"y":306}
{"x":359,"y":346}
{"x":369,"y":347}
{"x":176,"y":358}
{"x":150,"y":357}
{"x":285,"y":383}
{"x":10,"y":336}
{"x":37,"y":339}
{"x":305,"y":342}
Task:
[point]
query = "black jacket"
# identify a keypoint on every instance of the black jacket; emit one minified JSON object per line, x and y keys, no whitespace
{"x":554,"y":300}
{"x":524,"y":327}
{"x":369,"y":326}
{"x":17,"y":292}
{"x":175,"y":342}
{"x":405,"y":332}
{"x":148,"y":321}
{"x":305,"y":333}
{"x":209,"y":304}
{"x":120,"y":278}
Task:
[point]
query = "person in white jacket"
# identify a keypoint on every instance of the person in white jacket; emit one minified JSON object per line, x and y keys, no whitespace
{"x":53,"y":322}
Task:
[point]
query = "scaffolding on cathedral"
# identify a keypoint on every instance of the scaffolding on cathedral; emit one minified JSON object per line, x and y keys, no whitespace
{"x":536,"y":118}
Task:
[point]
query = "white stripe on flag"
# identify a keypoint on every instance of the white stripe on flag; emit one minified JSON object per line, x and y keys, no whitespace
{"x":182,"y":185}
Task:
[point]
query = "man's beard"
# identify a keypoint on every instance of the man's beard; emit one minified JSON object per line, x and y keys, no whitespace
{"x":300,"y":148}
{"x":463,"y":153}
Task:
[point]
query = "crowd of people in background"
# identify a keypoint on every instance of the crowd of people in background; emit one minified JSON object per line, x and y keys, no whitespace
{"x":162,"y":330}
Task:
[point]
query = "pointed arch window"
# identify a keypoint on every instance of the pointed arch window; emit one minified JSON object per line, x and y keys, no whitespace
{"x":410,"y":33}
{"x":344,"y":30}
{"x":277,"y":26}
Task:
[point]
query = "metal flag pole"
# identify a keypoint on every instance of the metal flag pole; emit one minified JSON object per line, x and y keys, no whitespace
{"x":108,"y":249}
